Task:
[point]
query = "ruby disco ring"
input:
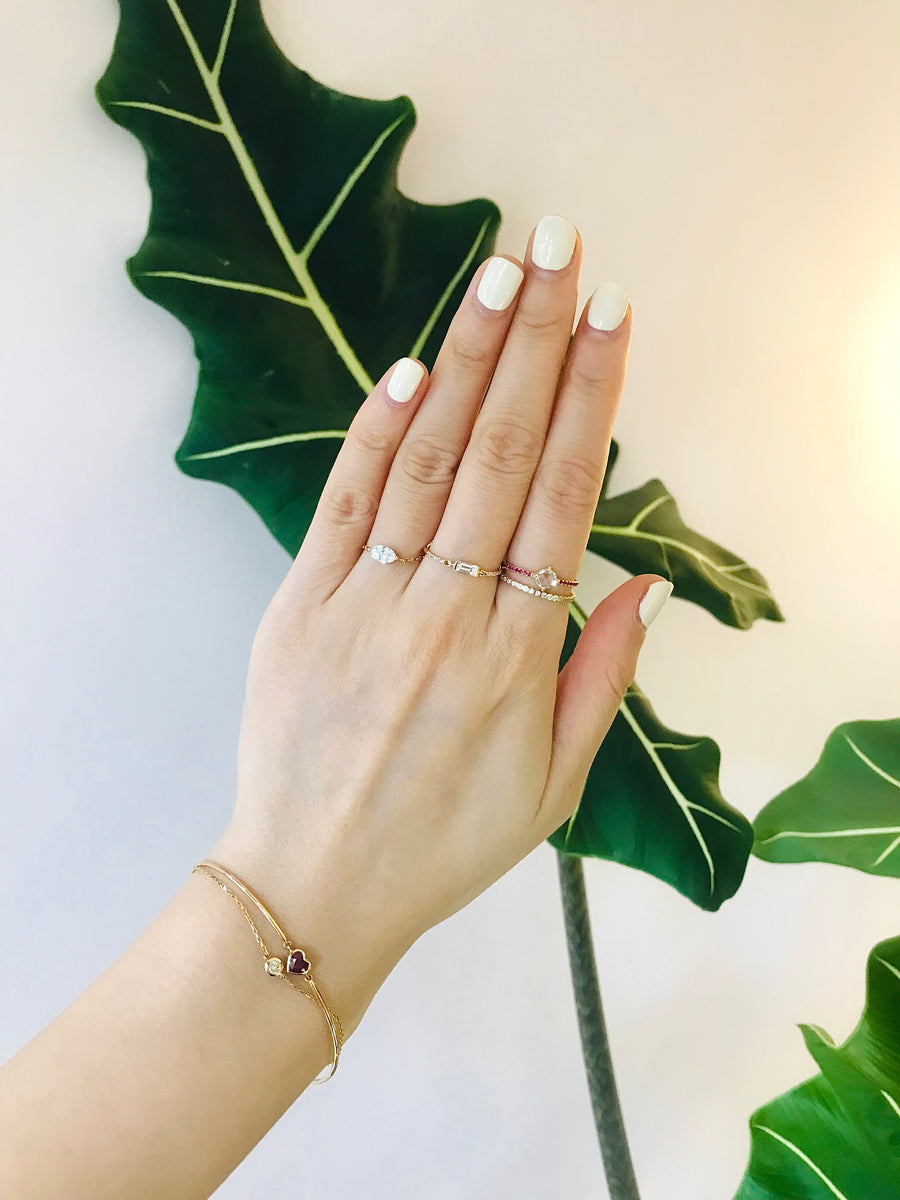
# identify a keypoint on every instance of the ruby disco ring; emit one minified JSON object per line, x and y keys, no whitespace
{"x":545,"y":578}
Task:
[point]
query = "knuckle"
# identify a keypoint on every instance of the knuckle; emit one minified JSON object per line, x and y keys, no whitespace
{"x":470,"y":354}
{"x":508,"y":448}
{"x":569,"y":487}
{"x":370,"y":439}
{"x":435,"y":638}
{"x":590,"y":376}
{"x":617,"y":678}
{"x":344,"y":506}
{"x":538,"y":320}
{"x":429,"y":460}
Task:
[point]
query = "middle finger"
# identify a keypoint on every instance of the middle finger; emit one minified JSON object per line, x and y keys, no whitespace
{"x":494,"y":477}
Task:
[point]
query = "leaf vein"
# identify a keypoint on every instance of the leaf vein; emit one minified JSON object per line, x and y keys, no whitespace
{"x":245,"y":161}
{"x":236,"y":285}
{"x":265,"y":443}
{"x":677,"y":795}
{"x":419,"y":343}
{"x":175,"y":113}
{"x":223,"y":41}
{"x":805,"y":1158}
{"x":662,"y":540}
{"x":871,"y":765}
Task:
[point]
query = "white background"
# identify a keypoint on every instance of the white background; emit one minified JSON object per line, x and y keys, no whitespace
{"x":736,"y":167}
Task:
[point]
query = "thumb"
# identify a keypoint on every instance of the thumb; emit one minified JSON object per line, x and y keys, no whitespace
{"x":594,"y":680}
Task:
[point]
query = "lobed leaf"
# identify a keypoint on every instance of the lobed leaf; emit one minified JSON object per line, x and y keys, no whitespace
{"x":837,"y":1136}
{"x":846,"y":810}
{"x":277,"y":235}
{"x":652,"y":801}
{"x":642,"y":531}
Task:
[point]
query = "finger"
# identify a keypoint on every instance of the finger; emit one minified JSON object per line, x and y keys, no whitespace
{"x":349,"y":501}
{"x":494,"y":476}
{"x":556,"y":520}
{"x":423,"y":470}
{"x":591,"y":686}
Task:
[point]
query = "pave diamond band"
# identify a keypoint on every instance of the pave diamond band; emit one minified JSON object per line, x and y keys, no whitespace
{"x":555,"y":597}
{"x":386,"y":554}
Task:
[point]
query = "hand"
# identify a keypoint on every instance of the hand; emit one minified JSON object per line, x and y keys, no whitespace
{"x":406,"y":736}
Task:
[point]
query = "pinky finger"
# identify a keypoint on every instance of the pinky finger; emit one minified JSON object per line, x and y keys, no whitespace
{"x":346,"y":510}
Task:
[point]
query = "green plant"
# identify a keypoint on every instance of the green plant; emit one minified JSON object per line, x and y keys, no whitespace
{"x":278,"y":236}
{"x":837,"y":1136}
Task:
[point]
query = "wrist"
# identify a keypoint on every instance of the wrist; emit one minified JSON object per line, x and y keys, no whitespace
{"x":321,"y":911}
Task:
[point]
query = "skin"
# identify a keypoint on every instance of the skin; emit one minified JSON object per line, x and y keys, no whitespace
{"x":406,"y":740}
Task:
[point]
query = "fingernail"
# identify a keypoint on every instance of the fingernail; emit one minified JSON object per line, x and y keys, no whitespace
{"x":654,"y":598}
{"x":608,"y":306}
{"x":554,"y":243}
{"x":405,"y":378}
{"x":499,"y":283}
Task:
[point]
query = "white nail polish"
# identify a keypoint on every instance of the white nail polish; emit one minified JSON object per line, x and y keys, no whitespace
{"x":554,"y":243}
{"x":654,"y":599}
{"x":405,"y":378}
{"x":608,"y":306}
{"x":499,"y":283}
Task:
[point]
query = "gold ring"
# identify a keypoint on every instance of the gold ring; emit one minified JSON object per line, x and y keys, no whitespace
{"x":545,"y":578}
{"x":385,"y":554}
{"x":457,"y":564}
{"x":555,"y":597}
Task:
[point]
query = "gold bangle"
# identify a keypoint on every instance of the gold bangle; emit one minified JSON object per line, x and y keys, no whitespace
{"x":294,"y":965}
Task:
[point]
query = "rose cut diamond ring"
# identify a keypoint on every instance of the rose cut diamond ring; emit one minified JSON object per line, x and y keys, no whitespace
{"x":385,"y":554}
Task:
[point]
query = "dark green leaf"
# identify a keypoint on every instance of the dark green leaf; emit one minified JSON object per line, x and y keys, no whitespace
{"x":642,"y":531}
{"x":837,"y":1136}
{"x":652,"y":801}
{"x":278,"y":237}
{"x":610,"y":463}
{"x":846,"y":810}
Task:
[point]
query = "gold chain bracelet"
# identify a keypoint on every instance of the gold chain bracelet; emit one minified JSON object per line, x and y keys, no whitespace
{"x":294,"y":965}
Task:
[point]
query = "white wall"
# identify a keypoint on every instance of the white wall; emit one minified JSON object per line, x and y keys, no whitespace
{"x":736,"y":167}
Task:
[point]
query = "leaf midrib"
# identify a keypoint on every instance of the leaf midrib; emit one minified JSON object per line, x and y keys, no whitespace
{"x":629,"y":531}
{"x":295,"y":261}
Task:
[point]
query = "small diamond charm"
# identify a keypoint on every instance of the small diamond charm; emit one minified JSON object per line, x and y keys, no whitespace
{"x":546,"y":577}
{"x":466,"y":568}
{"x":383,"y":554}
{"x":274,"y":966}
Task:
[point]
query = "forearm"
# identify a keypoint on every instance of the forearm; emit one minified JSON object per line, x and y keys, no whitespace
{"x":161,"y":1077}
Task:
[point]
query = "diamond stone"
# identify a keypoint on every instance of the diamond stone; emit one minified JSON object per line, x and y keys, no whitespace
{"x":383,"y":554}
{"x":546,"y":577}
{"x":466,"y":568}
{"x":274,"y":966}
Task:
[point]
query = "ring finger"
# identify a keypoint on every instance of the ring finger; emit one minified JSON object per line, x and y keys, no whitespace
{"x":556,"y":520}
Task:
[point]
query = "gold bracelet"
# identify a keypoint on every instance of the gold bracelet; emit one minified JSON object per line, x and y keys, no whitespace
{"x":294,"y":965}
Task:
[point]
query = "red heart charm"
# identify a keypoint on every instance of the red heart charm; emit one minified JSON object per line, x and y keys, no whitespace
{"x":298,"y":963}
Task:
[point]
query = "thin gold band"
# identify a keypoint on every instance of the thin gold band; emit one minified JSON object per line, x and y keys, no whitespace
{"x":457,"y":564}
{"x":277,"y":967}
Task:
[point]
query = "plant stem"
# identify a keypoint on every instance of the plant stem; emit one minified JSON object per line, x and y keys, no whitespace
{"x":598,"y":1065}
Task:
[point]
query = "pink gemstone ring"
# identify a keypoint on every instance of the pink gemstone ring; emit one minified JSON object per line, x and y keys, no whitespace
{"x":545,"y":578}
